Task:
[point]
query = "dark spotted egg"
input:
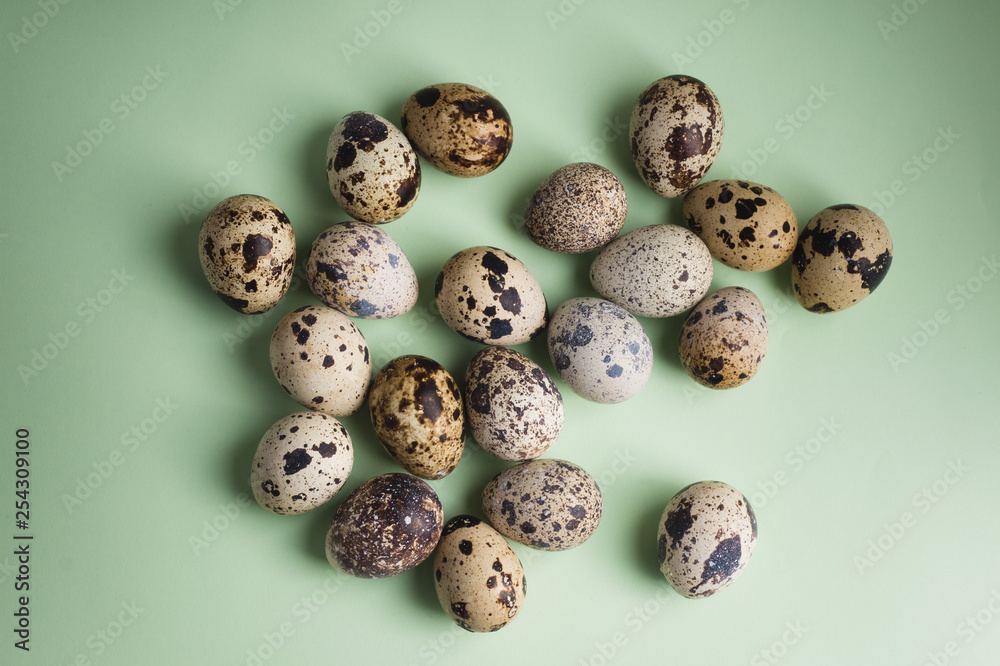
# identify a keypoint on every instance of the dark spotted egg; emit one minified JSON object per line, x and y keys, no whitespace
{"x":843,"y":254}
{"x":388,"y":525}
{"x":676,"y":131}
{"x":707,"y":533}
{"x":372,"y":169}
{"x":477,"y":575}
{"x":546,"y":504}
{"x":247,"y":252}
{"x":301,"y":462}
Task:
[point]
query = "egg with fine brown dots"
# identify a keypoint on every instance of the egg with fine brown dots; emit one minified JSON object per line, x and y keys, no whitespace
{"x":724,"y":339}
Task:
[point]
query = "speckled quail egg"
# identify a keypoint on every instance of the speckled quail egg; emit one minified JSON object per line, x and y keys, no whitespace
{"x":842,"y":255}
{"x":321,"y":359}
{"x":416,"y":409}
{"x":302,"y":461}
{"x":247,"y":252}
{"x":489,"y":296}
{"x":746,"y":226}
{"x":358,"y":269}
{"x":513,"y":407}
{"x":655,"y":271}
{"x":460,"y":129}
{"x":388,"y":525}
{"x":724,"y":339}
{"x":477,"y":575}
{"x":599,"y":350}
{"x":579,"y":208}
{"x":546,"y":504}
{"x":707,"y":533}
{"x":676,"y":131}
{"x":372,"y":169}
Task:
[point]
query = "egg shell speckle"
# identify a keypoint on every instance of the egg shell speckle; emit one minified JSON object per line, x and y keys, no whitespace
{"x":656,"y":271}
{"x":843,"y":254}
{"x":321,"y":359}
{"x":599,"y":350}
{"x":371,"y":168}
{"x":358,"y":269}
{"x":546,"y":504}
{"x":724,"y":339}
{"x":247,"y":251}
{"x":513,"y":407}
{"x":416,"y":409}
{"x":707,"y":534}
{"x":477,"y":575}
{"x":302,"y":461}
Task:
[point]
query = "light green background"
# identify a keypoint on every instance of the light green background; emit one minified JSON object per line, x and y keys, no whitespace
{"x":884,"y":399}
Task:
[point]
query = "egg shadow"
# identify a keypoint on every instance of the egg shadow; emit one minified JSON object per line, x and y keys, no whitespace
{"x":422,"y":587}
{"x":613,"y":132}
{"x":317,"y":524}
{"x":525,"y":190}
{"x":644,"y":552}
{"x":185,"y":257}
{"x":314,"y":162}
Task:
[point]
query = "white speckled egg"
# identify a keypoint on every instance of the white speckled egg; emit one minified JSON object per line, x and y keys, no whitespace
{"x":489,"y":296}
{"x":707,"y":533}
{"x":247,"y":252}
{"x":372,"y":169}
{"x":302,"y":461}
{"x":676,"y":131}
{"x":358,"y":269}
{"x":477,"y":575}
{"x":599,"y":350}
{"x":546,"y":504}
{"x":724,"y":339}
{"x":655,"y":271}
{"x":513,"y":407}
{"x":843,"y":254}
{"x":321,"y":359}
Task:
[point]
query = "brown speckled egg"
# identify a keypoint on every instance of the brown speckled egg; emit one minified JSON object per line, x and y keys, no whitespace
{"x":546,"y":504}
{"x":388,"y":525}
{"x":460,"y":129}
{"x":416,"y":409}
{"x":301,"y":462}
{"x":372,"y":169}
{"x":477,"y":575}
{"x":358,"y":269}
{"x":746,"y":226}
{"x":676,"y":131}
{"x":655,"y":271}
{"x":579,"y":208}
{"x":321,"y":359}
{"x":707,"y":533}
{"x":513,"y":407}
{"x":843,"y":254}
{"x":489,"y":296}
{"x":247,"y":252}
{"x":724,"y":339}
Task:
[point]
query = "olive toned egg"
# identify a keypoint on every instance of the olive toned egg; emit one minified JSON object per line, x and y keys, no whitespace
{"x":724,"y":339}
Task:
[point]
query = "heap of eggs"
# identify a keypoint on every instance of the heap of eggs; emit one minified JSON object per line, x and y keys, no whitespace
{"x":510,"y":404}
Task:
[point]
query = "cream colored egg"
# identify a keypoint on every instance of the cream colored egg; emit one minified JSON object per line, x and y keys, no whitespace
{"x":724,"y":339}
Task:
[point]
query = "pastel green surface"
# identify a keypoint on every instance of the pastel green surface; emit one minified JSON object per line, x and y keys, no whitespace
{"x":867,"y":441}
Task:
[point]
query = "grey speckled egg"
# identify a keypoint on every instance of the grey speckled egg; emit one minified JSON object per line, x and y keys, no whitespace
{"x":489,"y":296}
{"x":513,"y":407}
{"x":843,"y":254}
{"x":676,"y":131}
{"x":247,"y":252}
{"x":724,"y":339}
{"x":358,"y":269}
{"x":746,"y":226}
{"x":477,"y":575}
{"x":372,"y":169}
{"x":388,"y":525}
{"x":707,"y":533}
{"x":416,"y":409}
{"x":321,"y":359}
{"x":599,"y":350}
{"x":655,"y":271}
{"x":579,"y":208}
{"x":546,"y":504}
{"x":460,"y":129}
{"x":302,"y":461}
